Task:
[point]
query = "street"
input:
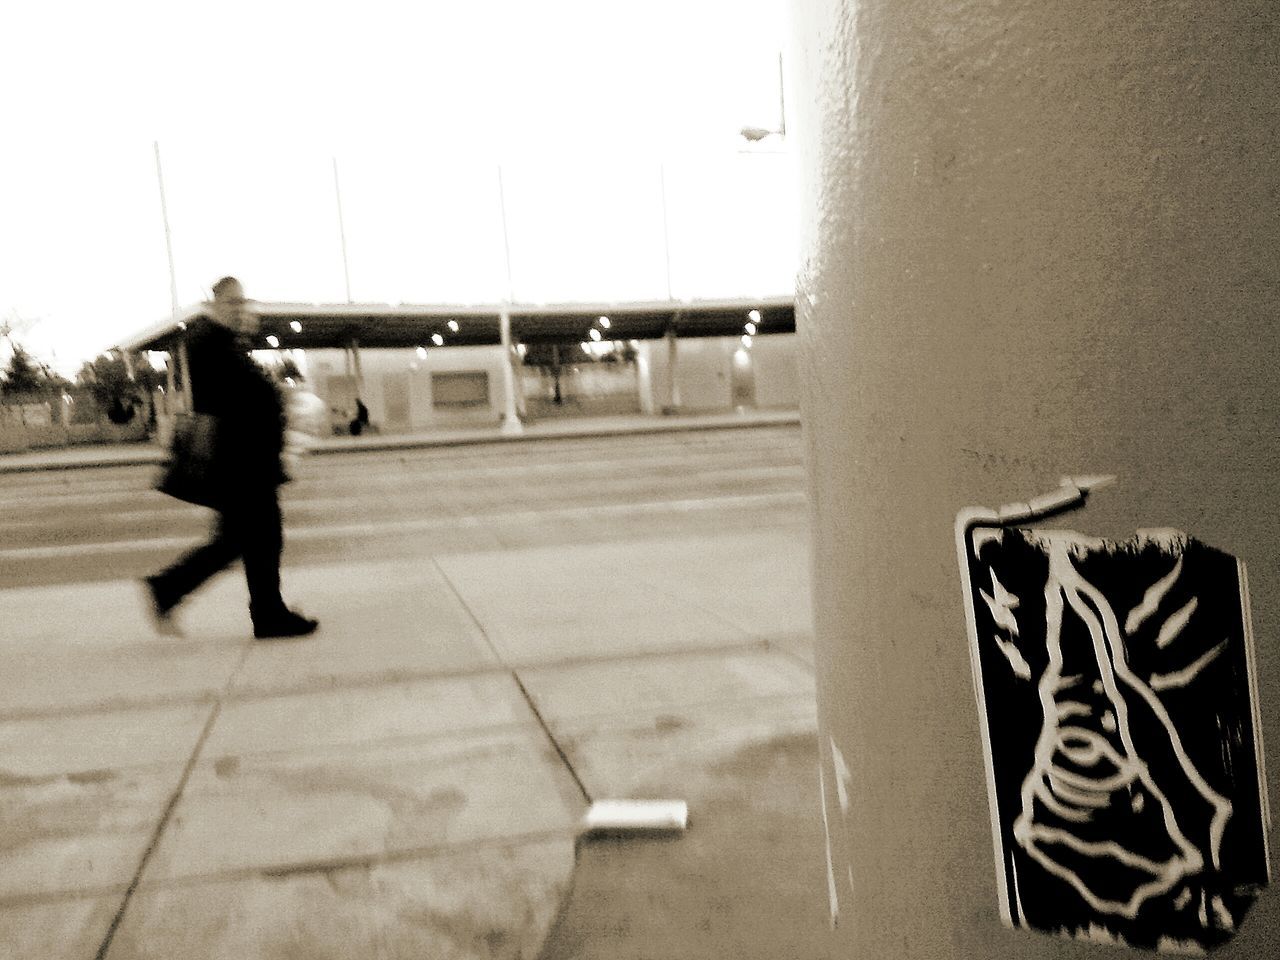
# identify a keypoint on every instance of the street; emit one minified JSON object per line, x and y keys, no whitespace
{"x":72,"y":526}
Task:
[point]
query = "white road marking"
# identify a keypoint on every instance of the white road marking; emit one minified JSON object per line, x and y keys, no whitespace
{"x":597,"y":471}
{"x":399,"y":525}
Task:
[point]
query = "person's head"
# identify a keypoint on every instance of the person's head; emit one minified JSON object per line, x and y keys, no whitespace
{"x":230,"y":309}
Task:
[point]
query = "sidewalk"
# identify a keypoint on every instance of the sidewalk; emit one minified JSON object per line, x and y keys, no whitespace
{"x":408,"y":783}
{"x":114,"y":455}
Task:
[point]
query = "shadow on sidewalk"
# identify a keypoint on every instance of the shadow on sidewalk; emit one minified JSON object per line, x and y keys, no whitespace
{"x":747,"y":880}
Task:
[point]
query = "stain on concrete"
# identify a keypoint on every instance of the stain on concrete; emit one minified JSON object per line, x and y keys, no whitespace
{"x":227,"y":766}
{"x":10,"y":779}
{"x":667,"y":723}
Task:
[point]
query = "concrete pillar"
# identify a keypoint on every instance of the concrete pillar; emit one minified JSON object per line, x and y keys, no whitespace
{"x":171,"y":383}
{"x":672,"y":404}
{"x":184,"y":362}
{"x":1039,"y":241}
{"x":644,"y":379}
{"x":357,"y":368}
{"x":510,"y":416}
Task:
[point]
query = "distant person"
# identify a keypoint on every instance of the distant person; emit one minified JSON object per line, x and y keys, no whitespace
{"x":361,"y":421}
{"x":250,"y":414}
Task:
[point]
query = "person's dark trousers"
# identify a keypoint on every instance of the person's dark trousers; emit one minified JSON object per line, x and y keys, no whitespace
{"x":249,"y":529}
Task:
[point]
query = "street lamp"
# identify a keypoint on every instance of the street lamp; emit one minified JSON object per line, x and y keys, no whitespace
{"x":756,"y":134}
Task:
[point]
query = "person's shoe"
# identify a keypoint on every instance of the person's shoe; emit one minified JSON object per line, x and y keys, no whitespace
{"x":284,"y":626}
{"x":161,"y":616}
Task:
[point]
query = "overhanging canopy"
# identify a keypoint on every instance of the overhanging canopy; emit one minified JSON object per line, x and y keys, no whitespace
{"x":310,"y":326}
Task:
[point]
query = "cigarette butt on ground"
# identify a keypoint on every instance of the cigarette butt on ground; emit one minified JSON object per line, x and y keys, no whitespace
{"x":636,"y":816}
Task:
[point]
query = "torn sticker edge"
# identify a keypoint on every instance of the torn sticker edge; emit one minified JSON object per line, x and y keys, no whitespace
{"x":1255,"y":704}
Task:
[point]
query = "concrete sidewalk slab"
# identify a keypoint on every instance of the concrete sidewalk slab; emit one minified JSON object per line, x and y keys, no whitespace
{"x":746,"y":881}
{"x":379,"y":622}
{"x":48,"y":676}
{"x":641,"y":684}
{"x":83,"y":793}
{"x":368,"y":714}
{"x":592,"y":616}
{"x":105,"y":614}
{"x":631,"y":754}
{"x":634,"y":597}
{"x":65,"y":928}
{"x":480,"y":903}
{"x":754,"y":581}
{"x":289,"y":811}
{"x":82,"y":832}
{"x":85,"y":742}
{"x":83,"y":646}
{"x":758,"y":580}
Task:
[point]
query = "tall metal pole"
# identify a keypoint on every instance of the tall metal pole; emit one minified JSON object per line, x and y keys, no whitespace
{"x":510,"y":415}
{"x":178,"y":356}
{"x":666,"y":231}
{"x":342,"y":230}
{"x":168,"y":239}
{"x":782,"y":100}
{"x":506,"y":239}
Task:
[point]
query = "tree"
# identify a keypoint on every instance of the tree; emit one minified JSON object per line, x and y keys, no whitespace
{"x":554,"y":357}
{"x":23,"y":374}
{"x":107,"y":379}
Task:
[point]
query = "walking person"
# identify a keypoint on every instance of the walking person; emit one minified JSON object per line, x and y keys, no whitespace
{"x":250,"y":417}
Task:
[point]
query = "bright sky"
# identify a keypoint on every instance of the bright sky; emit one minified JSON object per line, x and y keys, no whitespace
{"x":588,"y":107}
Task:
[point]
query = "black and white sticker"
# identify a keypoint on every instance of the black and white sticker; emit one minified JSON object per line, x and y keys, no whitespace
{"x":1116,"y":691}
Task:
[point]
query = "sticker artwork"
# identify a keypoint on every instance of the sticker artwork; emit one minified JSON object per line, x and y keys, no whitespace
{"x":1116,"y":690}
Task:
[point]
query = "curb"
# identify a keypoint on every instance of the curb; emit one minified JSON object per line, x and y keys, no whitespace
{"x":152,"y":456}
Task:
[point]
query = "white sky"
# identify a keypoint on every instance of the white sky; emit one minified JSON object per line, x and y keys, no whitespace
{"x":582,"y":102}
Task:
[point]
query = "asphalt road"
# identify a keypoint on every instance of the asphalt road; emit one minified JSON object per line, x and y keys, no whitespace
{"x":67,"y":526}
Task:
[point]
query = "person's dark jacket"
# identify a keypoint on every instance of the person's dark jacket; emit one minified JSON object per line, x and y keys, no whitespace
{"x":227,"y":384}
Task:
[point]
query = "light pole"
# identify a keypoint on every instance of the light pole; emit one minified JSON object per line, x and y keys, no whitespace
{"x":342,"y":230}
{"x":510,"y":416}
{"x":756,"y":134}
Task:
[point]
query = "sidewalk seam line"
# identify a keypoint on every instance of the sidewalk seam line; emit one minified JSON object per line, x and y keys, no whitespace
{"x":283,"y":871}
{"x":250,"y":695}
{"x":515,"y":676}
{"x":167,"y":813}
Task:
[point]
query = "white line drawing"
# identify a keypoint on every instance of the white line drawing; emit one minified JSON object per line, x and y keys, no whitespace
{"x":1081,"y":770}
{"x":1180,"y":678}
{"x":1002,"y":604}
{"x":1172,"y":627}
{"x":1151,"y":599}
{"x":1123,"y":744}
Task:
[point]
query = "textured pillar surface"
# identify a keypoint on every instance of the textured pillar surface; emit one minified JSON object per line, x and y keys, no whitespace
{"x":1039,"y":240}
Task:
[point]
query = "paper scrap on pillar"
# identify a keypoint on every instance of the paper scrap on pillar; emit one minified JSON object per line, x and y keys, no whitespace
{"x":1117,"y":699}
